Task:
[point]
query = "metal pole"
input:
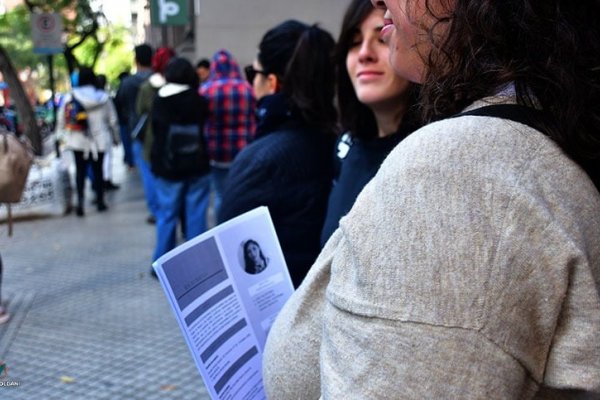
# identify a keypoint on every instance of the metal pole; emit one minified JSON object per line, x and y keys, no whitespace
{"x":164,"y":35}
{"x":54,"y":110}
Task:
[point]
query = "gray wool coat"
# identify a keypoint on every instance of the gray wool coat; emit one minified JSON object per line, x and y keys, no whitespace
{"x":468,"y":268}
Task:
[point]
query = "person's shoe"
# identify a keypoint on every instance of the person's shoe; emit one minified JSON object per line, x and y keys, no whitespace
{"x":151,"y":219}
{"x":79,"y":211}
{"x":108,"y":185}
{"x":4,"y":315}
{"x":102,"y":207}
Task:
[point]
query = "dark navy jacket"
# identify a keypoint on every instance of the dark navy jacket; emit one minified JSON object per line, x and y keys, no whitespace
{"x":288,"y":168}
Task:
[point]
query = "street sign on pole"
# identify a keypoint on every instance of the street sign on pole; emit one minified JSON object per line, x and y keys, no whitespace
{"x":47,"y":29}
{"x":169,"y":12}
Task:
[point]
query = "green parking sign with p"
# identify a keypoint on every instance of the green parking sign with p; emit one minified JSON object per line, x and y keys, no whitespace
{"x":169,"y":12}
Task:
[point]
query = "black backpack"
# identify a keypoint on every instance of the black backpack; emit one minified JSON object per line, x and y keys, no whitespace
{"x":185,"y":153}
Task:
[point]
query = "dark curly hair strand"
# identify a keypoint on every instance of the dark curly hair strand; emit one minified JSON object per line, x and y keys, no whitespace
{"x":550,"y":49}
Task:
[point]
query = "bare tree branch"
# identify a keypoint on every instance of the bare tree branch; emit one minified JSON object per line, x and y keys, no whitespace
{"x":24,"y":108}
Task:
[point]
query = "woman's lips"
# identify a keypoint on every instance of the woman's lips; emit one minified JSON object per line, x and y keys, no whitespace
{"x":388,"y":25}
{"x":368,"y":75}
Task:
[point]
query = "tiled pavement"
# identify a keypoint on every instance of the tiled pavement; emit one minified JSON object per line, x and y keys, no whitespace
{"x":88,"y":320}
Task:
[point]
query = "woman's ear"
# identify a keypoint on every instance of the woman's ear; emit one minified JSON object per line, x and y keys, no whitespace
{"x":273,"y":84}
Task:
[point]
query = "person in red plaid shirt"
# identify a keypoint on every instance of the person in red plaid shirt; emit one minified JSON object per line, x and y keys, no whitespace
{"x":231,"y":121}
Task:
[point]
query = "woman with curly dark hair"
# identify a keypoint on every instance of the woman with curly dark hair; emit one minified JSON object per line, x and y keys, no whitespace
{"x":469,"y":267}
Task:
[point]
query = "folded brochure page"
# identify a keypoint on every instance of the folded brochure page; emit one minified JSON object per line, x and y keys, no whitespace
{"x":226,"y":286}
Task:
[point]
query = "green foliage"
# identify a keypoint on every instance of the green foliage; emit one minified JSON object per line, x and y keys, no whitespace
{"x":115,"y":57}
{"x":15,"y":37}
{"x":107,"y":50}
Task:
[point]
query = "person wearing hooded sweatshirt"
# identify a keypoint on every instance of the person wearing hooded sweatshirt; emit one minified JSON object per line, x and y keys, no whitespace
{"x":147,"y":92}
{"x":231,"y":122}
{"x":181,"y":171}
{"x":89,"y":146}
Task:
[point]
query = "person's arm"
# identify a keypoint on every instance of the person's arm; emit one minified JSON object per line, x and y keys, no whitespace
{"x":143,"y":102}
{"x":292,"y":351}
{"x":60,"y":118}
{"x":113,"y":122}
{"x":159,"y":127}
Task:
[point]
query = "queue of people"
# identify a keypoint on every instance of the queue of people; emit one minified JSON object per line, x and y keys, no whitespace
{"x":433,"y":179}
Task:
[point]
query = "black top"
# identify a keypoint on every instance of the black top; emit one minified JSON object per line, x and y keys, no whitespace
{"x":185,"y":108}
{"x":288,"y":168}
{"x":356,"y":163}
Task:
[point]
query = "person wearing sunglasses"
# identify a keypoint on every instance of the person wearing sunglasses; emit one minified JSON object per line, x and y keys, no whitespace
{"x":288,"y":166}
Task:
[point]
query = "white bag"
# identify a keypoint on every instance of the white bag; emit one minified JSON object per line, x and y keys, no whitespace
{"x":48,"y":190}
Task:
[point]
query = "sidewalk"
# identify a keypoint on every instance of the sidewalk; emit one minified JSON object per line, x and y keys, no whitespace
{"x":88,"y":321}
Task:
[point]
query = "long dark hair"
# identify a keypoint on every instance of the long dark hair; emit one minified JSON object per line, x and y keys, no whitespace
{"x":300,"y":56}
{"x":87,"y":77}
{"x":550,"y":49}
{"x":180,"y":70}
{"x":356,"y":117}
{"x":249,"y":264}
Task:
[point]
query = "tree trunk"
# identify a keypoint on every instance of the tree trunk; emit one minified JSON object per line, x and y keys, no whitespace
{"x":24,"y":108}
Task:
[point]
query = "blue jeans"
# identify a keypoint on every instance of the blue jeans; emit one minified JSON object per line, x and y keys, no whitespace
{"x":190,"y":194}
{"x":218,"y":179}
{"x":146,"y":175}
{"x":126,"y":141}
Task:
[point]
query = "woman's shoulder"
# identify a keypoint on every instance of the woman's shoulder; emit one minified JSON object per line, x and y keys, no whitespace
{"x":476,"y":140}
{"x":502,"y":155}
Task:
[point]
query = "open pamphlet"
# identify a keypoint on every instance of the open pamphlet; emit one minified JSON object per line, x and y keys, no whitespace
{"x":226,"y":286}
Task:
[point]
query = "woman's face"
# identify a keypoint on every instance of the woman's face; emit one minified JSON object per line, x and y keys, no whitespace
{"x":368,"y":65}
{"x":253,"y":251}
{"x":261,"y":83}
{"x":406,"y":31}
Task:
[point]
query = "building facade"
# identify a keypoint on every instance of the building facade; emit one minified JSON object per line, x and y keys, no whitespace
{"x":236,"y":25}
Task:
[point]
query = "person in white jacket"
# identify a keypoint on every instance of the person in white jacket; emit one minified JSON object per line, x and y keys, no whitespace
{"x":89,"y":145}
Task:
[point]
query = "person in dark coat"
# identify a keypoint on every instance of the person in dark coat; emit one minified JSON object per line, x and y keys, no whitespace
{"x":127,"y":97}
{"x":178,"y":156}
{"x":288,"y":167}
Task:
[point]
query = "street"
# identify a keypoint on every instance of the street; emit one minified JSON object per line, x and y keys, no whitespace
{"x":88,"y":321}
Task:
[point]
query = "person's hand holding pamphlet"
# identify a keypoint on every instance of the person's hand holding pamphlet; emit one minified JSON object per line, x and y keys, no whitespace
{"x":226,"y":287}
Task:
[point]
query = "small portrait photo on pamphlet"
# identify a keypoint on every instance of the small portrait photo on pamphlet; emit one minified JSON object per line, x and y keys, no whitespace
{"x":254,"y":259}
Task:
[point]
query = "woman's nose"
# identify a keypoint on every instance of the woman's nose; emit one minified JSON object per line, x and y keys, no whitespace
{"x":366,"y":53}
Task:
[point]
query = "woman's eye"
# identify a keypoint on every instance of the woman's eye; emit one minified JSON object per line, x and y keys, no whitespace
{"x":356,"y":40}
{"x":355,"y":43}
